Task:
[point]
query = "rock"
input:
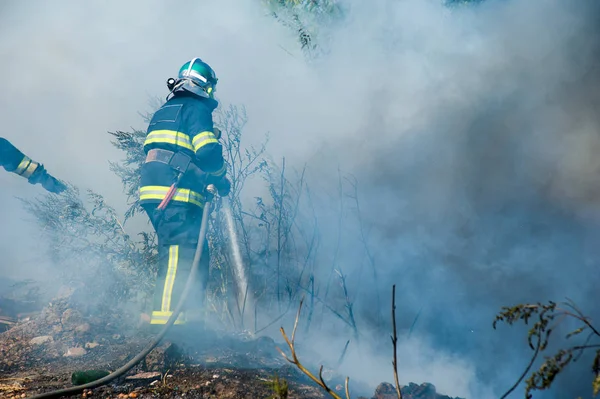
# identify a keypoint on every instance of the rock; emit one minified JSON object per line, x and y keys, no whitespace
{"x":91,"y":345}
{"x":144,"y":376}
{"x":40,"y":340}
{"x":50,"y":317}
{"x":163,"y":357}
{"x":423,"y":391}
{"x":75,"y":352}
{"x":82,"y":328}
{"x":70,"y":319}
{"x":64,"y":292}
{"x":385,"y":390}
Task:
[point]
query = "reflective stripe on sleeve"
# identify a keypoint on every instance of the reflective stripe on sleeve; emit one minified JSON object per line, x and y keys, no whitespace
{"x":221,"y":170}
{"x":26,"y":167}
{"x":202,"y":139}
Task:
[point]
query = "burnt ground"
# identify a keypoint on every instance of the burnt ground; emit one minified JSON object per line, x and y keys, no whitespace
{"x":39,"y":355}
{"x":190,"y":381}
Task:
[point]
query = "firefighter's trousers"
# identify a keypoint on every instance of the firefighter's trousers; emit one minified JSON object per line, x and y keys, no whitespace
{"x":177,"y":230}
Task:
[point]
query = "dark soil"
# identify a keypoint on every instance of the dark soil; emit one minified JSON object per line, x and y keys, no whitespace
{"x":40,"y":355}
{"x":187,"y":382}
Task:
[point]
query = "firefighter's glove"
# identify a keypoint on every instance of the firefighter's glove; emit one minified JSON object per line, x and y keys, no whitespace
{"x":224,"y":187}
{"x":50,"y":183}
{"x":208,"y":196}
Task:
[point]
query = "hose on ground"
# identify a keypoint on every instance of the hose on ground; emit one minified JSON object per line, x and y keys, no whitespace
{"x":140,"y":356}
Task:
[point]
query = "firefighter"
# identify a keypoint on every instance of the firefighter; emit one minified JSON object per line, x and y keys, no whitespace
{"x":183,"y":156}
{"x":13,"y":160}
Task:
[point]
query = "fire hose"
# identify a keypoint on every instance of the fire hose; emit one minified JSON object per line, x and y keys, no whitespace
{"x":140,"y":356}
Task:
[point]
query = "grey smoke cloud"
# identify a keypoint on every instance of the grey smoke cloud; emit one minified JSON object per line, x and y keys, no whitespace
{"x":480,"y":168}
{"x":472,"y":133}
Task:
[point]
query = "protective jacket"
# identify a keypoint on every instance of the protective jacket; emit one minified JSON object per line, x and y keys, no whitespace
{"x":182,"y":125}
{"x":13,"y":160}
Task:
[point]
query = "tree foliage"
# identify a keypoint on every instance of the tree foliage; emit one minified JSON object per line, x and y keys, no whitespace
{"x":543,"y":320}
{"x":128,"y":170}
{"x":90,"y":249}
{"x":307,"y":19}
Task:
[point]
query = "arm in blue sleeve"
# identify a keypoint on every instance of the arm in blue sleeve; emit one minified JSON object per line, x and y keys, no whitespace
{"x":209,"y":153}
{"x":15,"y":161}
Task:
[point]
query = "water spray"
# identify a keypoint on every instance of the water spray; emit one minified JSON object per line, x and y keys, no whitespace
{"x":244,"y":295}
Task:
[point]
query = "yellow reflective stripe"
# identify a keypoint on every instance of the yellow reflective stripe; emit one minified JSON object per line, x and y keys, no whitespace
{"x":170,"y":279}
{"x":169,"y":137}
{"x":181,"y":195}
{"x":23,"y":165}
{"x":221,"y":170}
{"x":30,"y":169}
{"x":26,"y":167}
{"x":160,"y":321}
{"x":202,"y":139}
{"x":163,"y":317}
{"x":188,"y":196}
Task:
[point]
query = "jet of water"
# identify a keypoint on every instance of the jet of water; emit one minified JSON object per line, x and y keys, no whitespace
{"x":244,"y":296}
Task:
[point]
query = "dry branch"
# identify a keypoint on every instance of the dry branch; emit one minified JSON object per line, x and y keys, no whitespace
{"x":295,"y":361}
{"x":8,"y":320}
{"x":394,"y":341}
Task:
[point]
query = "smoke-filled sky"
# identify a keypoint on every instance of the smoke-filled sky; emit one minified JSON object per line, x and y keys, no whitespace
{"x":473,"y":134}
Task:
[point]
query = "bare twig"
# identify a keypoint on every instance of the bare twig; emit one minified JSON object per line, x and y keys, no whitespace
{"x":394,"y":342}
{"x":579,"y":316}
{"x":295,"y":361}
{"x":365,"y":242}
{"x":279,"y":233}
{"x":349,"y":305}
{"x":312,"y":302}
{"x":8,"y":320}
{"x":347,"y":387}
{"x":296,"y":321}
{"x":412,"y":326}
{"x":274,"y":320}
{"x":524,"y":374}
{"x":343,"y":355}
{"x":339,"y":232}
{"x":325,"y":305}
{"x":255,"y":314}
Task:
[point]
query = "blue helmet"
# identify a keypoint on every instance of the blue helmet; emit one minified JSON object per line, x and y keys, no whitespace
{"x":196,"y":77}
